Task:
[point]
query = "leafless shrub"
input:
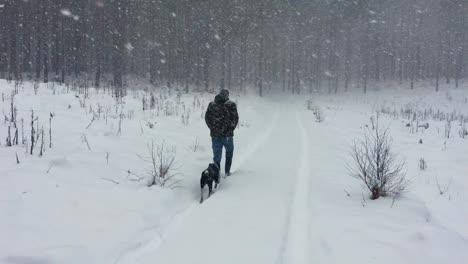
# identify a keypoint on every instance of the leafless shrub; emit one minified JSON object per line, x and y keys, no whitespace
{"x":197,"y":103}
{"x":82,"y":102}
{"x":8,"y":139}
{"x":99,"y":111}
{"x":170,"y":109}
{"x":377,"y":166}
{"x":423,"y":125}
{"x":443,"y":189}
{"x":347,"y":193}
{"x":310,"y":104}
{"x":144,"y":103}
{"x":422,"y":164}
{"x":448,"y":128}
{"x":121,"y":116}
{"x":150,"y":124}
{"x":32,"y":132}
{"x":136,"y":176}
{"x":363,"y":201}
{"x":162,"y":170}
{"x":319,"y":116}
{"x":196,"y":145}
{"x":130,"y":114}
{"x":38,"y":135}
{"x":152,"y":101}
{"x":372,"y":119}
{"x":463,"y":131}
{"x":51,"y":116}
{"x":91,"y":122}
{"x":110,"y":180}
{"x":36,"y":87}
{"x":23,"y":139}
{"x":186,"y":118}
{"x":84,"y":139}
{"x":41,"y":151}
{"x":12,"y":127}
{"x":316,"y":110}
{"x":5,"y":119}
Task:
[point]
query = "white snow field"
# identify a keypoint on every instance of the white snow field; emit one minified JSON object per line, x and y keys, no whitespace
{"x":290,"y":199}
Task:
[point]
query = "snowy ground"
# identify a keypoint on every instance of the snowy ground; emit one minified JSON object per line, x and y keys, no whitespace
{"x":290,"y":199}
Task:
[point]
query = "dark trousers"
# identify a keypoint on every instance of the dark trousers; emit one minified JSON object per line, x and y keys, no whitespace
{"x":218,"y":143}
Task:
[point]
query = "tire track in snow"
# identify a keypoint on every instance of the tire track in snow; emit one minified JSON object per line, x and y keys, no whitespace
{"x":259,"y":140}
{"x":295,"y":246}
{"x":131,"y":253}
{"x":152,"y":241}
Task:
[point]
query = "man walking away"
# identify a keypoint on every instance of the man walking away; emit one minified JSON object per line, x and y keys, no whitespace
{"x":222,"y":118}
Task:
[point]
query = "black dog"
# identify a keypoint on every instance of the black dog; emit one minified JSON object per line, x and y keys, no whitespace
{"x":208,"y":176}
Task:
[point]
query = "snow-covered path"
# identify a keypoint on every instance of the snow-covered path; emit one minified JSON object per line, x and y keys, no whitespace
{"x":290,"y":199}
{"x":239,"y":224}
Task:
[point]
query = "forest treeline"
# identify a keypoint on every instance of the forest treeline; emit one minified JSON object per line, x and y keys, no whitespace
{"x":293,"y":45}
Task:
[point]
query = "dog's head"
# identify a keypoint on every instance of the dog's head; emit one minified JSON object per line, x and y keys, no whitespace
{"x":210,"y":174}
{"x":213,"y":167}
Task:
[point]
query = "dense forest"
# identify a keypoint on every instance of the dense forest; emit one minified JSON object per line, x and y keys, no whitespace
{"x":294,"y":45}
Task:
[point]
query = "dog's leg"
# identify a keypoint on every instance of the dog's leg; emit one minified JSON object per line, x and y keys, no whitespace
{"x":201,"y":196}
{"x":210,"y":188}
{"x":216,"y":182}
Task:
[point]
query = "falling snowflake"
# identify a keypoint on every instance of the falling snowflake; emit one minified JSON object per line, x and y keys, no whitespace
{"x":163,"y":61}
{"x":76,"y":18}
{"x":173,"y":14}
{"x":66,"y":12}
{"x":373,"y":21}
{"x":2,"y":5}
{"x":129,"y":47}
{"x":217,"y":37}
